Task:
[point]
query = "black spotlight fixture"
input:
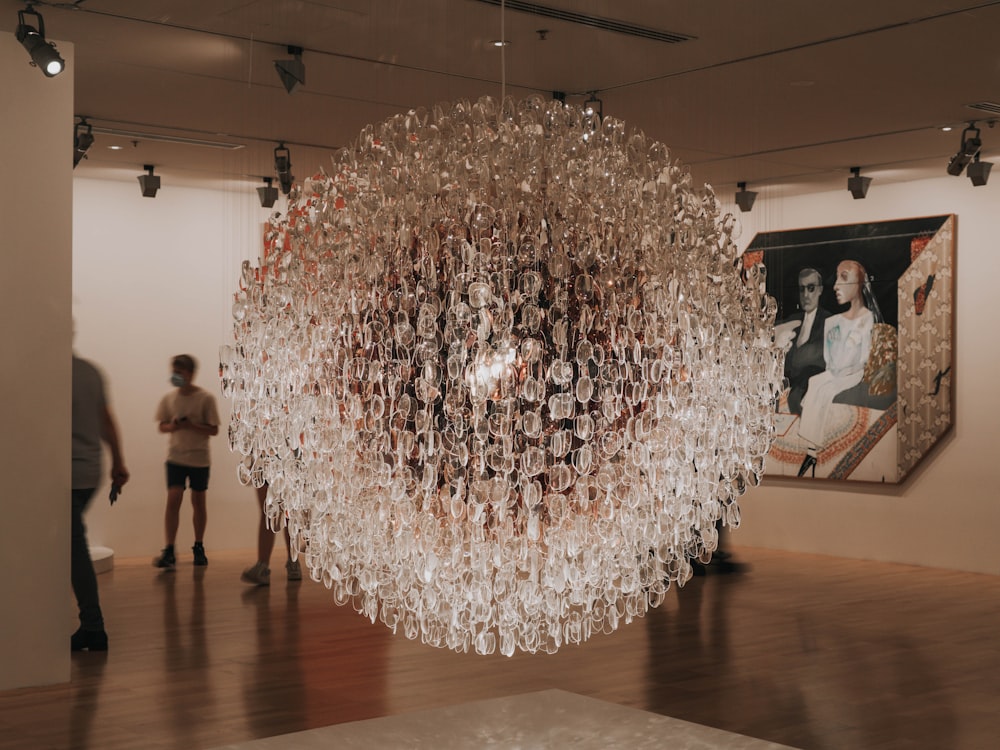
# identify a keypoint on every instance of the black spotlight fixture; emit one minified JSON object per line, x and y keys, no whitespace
{"x":593,"y":111}
{"x":979,"y":172}
{"x":594,"y":106}
{"x":83,"y":139}
{"x":149,"y":182}
{"x":857,"y":184}
{"x":744,"y":197}
{"x":971,"y":143}
{"x":268,"y":194}
{"x":32,"y":38}
{"x":283,"y":166}
{"x":291,"y":72}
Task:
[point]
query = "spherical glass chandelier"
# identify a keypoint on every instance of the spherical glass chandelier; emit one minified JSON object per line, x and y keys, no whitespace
{"x":503,"y":370}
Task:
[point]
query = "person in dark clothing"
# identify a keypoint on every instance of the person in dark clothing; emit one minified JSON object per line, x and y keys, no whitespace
{"x":805,"y":357}
{"x":93,"y":423}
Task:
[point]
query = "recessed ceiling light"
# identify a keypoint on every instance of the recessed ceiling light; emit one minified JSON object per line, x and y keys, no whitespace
{"x":946,"y":128}
{"x":499,"y":43}
{"x":116,"y":147}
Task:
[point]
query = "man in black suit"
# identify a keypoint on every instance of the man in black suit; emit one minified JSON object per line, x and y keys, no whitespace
{"x":805,"y":355}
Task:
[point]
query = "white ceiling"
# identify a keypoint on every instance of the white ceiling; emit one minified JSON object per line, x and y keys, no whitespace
{"x":782,"y":94}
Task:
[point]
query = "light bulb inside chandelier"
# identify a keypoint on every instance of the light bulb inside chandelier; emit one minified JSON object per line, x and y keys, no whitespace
{"x":503,"y":371}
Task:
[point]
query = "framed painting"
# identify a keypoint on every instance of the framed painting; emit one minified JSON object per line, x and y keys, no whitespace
{"x":866,"y":318}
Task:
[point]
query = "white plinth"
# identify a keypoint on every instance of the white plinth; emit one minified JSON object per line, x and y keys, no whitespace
{"x":547,"y":719}
{"x":103,"y":559}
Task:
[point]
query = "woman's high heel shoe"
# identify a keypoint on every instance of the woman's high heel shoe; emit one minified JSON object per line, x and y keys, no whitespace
{"x":808,"y":463}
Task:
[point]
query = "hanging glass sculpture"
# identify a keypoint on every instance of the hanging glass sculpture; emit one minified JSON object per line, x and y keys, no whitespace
{"x":503,"y":370}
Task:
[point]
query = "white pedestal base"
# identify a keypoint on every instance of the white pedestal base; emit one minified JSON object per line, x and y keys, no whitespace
{"x":103,"y":559}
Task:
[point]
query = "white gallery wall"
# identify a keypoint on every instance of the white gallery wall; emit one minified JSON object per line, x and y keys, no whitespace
{"x":946,"y":514}
{"x":153,"y":278}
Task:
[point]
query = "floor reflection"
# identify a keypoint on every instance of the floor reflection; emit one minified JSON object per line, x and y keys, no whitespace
{"x":272,"y":683}
{"x":890,"y":670}
{"x":185,"y":620}
{"x":800,"y":683}
{"x":86,"y":683}
{"x":806,"y":651}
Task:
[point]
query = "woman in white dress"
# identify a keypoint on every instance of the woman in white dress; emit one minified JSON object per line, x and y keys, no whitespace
{"x":847,"y":342}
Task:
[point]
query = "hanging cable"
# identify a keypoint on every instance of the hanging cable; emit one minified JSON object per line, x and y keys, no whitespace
{"x":503,"y":52}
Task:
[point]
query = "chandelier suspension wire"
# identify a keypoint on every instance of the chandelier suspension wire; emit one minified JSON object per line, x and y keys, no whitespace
{"x":503,"y":51}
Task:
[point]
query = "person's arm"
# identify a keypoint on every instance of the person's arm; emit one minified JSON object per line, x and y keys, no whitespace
{"x":187,"y":424}
{"x":785,"y":333}
{"x":865,"y":347}
{"x":165,"y":421}
{"x":211,"y":418}
{"x":109,"y":432}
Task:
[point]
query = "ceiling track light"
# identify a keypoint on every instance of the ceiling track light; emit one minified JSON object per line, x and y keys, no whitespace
{"x":268,"y":194}
{"x":593,"y":112}
{"x":744,"y":197}
{"x":149,"y":182}
{"x":291,"y":72}
{"x":43,"y":53}
{"x":857,"y":184}
{"x":979,"y":172}
{"x":594,"y":106}
{"x":971,"y":143}
{"x":83,"y":139}
{"x":283,"y":167}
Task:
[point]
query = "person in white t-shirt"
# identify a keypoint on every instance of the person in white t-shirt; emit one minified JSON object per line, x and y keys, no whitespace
{"x":188,"y":414}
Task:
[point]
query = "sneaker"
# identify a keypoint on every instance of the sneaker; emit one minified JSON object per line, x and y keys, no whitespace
{"x":166,"y":560}
{"x":257,"y":574}
{"x":88,"y":640}
{"x":199,"y":554}
{"x":294,"y":570}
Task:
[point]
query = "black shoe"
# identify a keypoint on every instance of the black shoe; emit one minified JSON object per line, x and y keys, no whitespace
{"x":88,"y":640}
{"x":199,"y":554}
{"x":166,"y":560}
{"x":808,"y":463}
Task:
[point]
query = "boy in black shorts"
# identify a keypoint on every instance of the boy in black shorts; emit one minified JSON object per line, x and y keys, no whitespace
{"x":188,"y":414}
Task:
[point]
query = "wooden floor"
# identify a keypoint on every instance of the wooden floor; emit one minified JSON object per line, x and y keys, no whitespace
{"x":809,"y":651}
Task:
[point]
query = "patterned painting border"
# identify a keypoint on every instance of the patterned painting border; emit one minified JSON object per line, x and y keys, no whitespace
{"x":922,"y":309}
